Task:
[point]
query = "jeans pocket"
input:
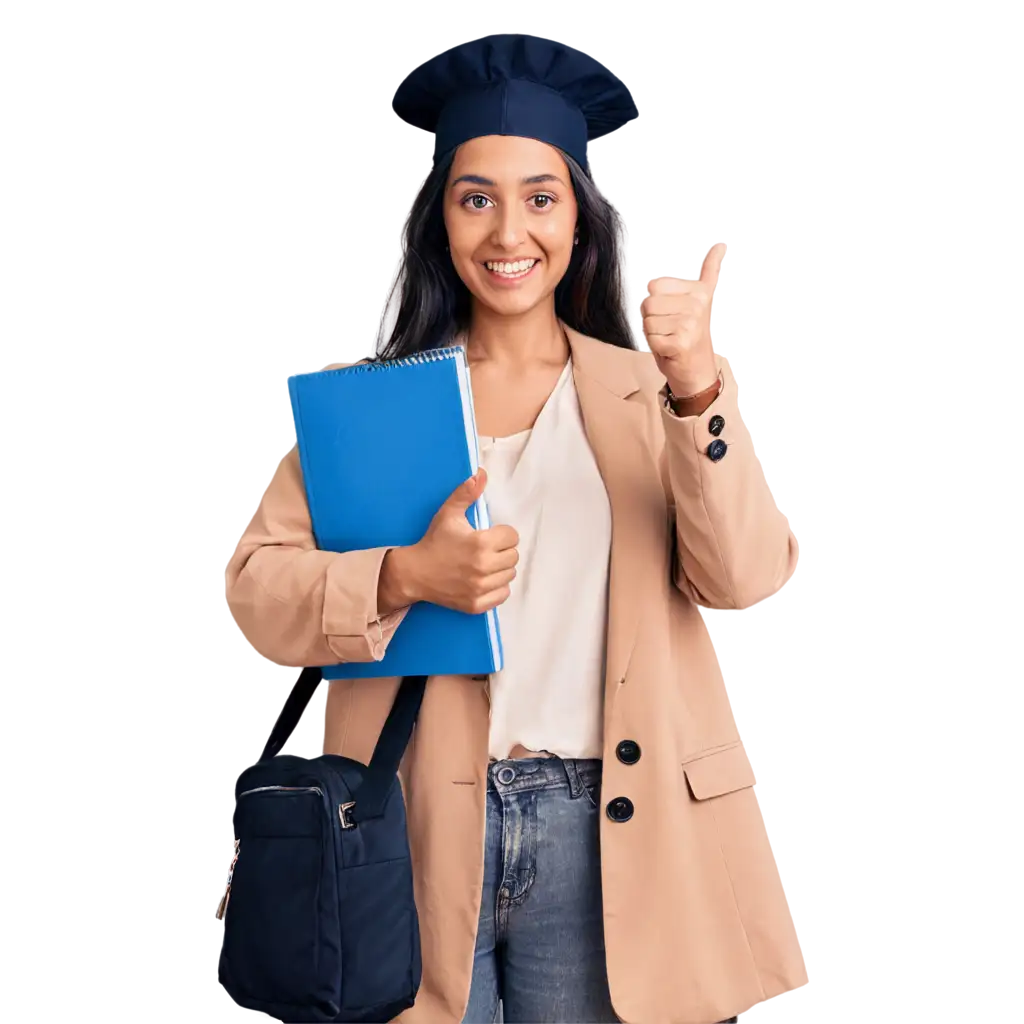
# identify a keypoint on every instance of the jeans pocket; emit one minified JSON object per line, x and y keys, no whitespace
{"x":591,"y":789}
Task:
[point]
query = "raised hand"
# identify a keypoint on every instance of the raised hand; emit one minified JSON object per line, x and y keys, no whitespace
{"x":677,"y":324}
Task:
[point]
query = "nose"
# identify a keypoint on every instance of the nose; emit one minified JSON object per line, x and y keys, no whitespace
{"x":510,"y":229}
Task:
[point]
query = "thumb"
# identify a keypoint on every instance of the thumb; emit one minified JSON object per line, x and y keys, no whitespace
{"x":713,"y":264}
{"x":468,"y":491}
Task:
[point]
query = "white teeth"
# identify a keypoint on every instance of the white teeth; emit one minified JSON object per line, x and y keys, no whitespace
{"x":517,"y":268}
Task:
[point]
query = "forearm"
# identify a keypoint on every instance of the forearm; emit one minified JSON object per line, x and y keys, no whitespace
{"x":397,"y":587}
{"x":734,"y":545}
{"x":298,"y":605}
{"x":301,"y":607}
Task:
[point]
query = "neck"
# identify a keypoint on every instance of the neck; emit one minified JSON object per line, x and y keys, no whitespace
{"x":518,"y":342}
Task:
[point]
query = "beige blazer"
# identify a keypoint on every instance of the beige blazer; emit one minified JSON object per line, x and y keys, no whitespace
{"x":696,"y":923}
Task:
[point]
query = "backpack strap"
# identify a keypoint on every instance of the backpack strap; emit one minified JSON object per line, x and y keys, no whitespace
{"x":394,"y":738}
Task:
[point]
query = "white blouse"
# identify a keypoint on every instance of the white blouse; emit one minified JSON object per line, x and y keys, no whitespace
{"x":545,"y":482}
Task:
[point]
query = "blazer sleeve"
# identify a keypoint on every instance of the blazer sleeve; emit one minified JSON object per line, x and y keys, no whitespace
{"x":733,"y":545}
{"x":298,"y":605}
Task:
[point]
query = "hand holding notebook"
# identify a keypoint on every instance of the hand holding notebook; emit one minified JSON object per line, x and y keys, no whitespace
{"x":454,"y":565}
{"x":382,"y":447}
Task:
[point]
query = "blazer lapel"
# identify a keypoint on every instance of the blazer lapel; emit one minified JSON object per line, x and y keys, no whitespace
{"x":617,"y":430}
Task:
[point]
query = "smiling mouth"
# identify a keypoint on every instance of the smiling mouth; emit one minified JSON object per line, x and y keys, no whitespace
{"x":510,"y":270}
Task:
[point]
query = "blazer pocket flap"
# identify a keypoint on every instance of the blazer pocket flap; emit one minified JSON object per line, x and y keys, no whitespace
{"x":721,"y":771}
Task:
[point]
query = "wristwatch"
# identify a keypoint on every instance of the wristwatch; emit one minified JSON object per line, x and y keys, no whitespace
{"x":690,"y":405}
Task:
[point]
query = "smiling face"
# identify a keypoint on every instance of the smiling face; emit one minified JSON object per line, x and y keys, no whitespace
{"x":510,"y":212}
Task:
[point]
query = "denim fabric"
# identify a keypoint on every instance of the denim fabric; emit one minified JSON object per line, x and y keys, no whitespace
{"x":540,"y":941}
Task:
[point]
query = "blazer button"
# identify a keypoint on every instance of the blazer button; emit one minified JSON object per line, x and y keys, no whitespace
{"x":715,"y":425}
{"x":716,"y":450}
{"x":620,"y":809}
{"x":628,"y":751}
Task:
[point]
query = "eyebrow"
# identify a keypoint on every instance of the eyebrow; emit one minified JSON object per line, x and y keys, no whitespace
{"x":476,"y":179}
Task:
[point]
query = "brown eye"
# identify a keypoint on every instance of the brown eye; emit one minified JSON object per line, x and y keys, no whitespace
{"x":547,"y":203}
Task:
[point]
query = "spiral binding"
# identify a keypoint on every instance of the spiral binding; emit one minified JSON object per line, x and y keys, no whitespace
{"x":431,"y":355}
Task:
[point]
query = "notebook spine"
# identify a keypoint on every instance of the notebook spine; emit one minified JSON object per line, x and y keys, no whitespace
{"x":431,"y":355}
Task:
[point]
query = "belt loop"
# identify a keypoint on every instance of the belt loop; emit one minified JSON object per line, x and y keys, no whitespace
{"x":572,"y":774}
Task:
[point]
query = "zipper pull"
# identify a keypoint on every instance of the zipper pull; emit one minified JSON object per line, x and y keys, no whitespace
{"x":222,"y":907}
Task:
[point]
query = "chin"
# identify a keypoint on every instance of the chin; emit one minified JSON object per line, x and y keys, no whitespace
{"x":513,"y":301}
{"x":511,"y":305}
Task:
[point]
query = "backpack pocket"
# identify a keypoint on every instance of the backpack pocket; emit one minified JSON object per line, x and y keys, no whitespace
{"x":272,"y":938}
{"x":380,"y":940}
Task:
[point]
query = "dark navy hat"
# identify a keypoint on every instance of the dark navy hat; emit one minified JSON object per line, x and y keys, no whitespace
{"x":514,"y":85}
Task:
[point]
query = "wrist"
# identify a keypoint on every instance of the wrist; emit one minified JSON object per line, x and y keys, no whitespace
{"x":693,"y":384}
{"x":396,"y":586}
{"x":689,"y":402}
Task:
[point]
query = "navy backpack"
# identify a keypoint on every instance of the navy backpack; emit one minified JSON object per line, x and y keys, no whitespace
{"x":320,"y":923}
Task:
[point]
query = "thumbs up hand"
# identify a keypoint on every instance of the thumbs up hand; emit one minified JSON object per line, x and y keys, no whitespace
{"x":677,"y":324}
{"x":453,"y":564}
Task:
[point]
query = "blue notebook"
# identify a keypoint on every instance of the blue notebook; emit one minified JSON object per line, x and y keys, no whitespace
{"x":382,"y":445}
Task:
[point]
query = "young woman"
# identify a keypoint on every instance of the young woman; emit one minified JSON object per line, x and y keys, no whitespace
{"x":585,"y":838}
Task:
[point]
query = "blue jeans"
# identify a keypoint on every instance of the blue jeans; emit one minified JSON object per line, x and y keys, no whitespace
{"x":540,"y":940}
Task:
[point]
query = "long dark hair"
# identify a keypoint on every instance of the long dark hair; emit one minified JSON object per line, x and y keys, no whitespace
{"x":434,"y":304}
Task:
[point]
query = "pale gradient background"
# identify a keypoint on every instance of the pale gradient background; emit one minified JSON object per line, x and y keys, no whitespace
{"x":199,"y":199}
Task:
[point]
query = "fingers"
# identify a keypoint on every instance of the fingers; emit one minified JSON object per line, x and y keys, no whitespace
{"x":499,"y":561}
{"x":709,"y":272}
{"x":678,"y":311}
{"x":489,"y":560}
{"x":672,"y":286}
{"x":681,"y":276}
{"x":488,"y":582}
{"x":673,"y":306}
{"x":670,"y":324}
{"x":659,"y":305}
{"x":507,"y":559}
{"x":666,"y":314}
{"x":500,"y":537}
{"x":486,"y":602}
{"x":672,"y":315}
{"x":497,"y":580}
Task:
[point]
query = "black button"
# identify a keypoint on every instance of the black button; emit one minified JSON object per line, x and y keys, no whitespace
{"x":628,"y":751}
{"x":620,"y":809}
{"x":716,"y":450}
{"x":715,"y":425}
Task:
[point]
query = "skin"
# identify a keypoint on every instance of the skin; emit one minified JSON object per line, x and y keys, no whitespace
{"x":509,"y":198}
{"x":516,"y":349}
{"x":677,"y":324}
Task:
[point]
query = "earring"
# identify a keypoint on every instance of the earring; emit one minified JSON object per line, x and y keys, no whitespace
{"x":576,"y":239}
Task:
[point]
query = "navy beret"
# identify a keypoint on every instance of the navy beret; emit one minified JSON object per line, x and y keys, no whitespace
{"x":514,"y":84}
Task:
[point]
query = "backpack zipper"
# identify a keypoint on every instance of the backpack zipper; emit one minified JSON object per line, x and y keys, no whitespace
{"x":282,"y":788}
{"x":223,"y":905}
